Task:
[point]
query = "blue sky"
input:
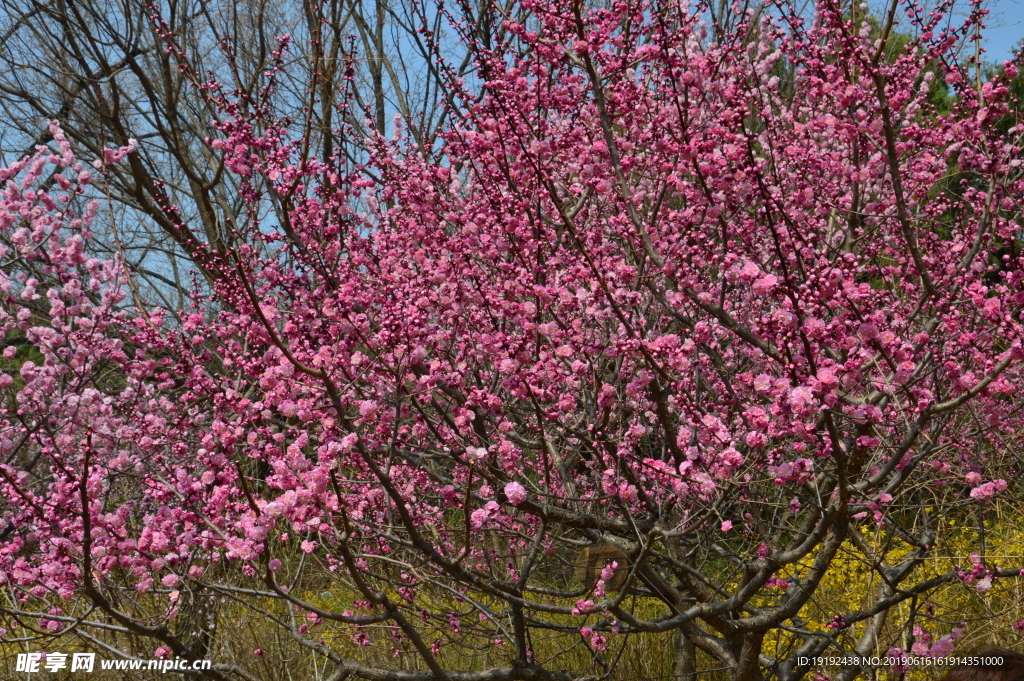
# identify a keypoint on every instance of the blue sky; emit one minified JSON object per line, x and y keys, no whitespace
{"x":1005,"y":28}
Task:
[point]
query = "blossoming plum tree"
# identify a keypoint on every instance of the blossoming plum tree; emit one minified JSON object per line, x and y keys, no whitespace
{"x":740,"y":304}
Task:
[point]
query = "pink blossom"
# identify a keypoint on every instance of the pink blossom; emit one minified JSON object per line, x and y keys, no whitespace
{"x":750,"y":271}
{"x":764,"y":284}
{"x":801,"y":398}
{"x":478,"y":518}
{"x":900,"y":661}
{"x":944,"y":647}
{"x":476,"y":453}
{"x":984,"y":492}
{"x":515,"y":493}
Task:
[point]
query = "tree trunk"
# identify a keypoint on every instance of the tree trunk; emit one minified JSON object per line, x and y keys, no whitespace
{"x":684,"y":658}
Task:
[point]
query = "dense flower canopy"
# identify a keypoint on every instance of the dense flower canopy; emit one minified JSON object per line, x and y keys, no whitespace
{"x":727,"y":302}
